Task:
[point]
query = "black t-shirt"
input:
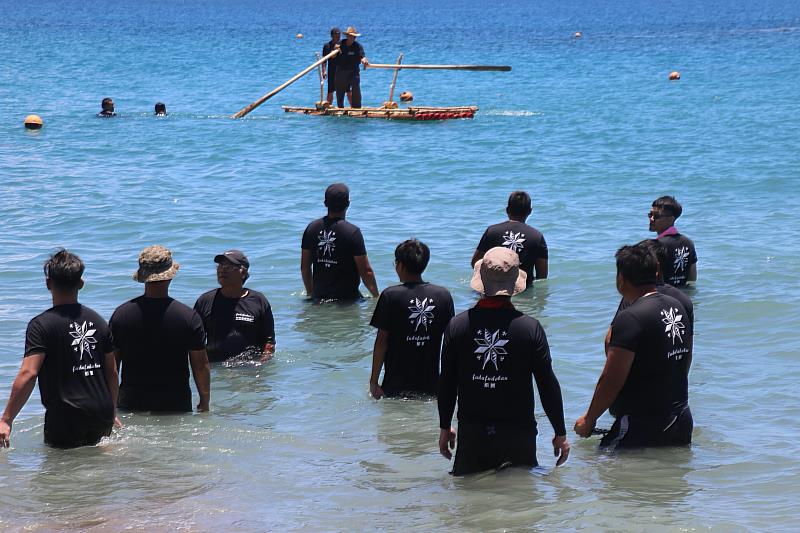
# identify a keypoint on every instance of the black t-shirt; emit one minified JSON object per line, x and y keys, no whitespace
{"x":235,"y":325}
{"x":680,"y":256}
{"x":488,"y":356}
{"x":657,"y":330}
{"x":415,"y":315}
{"x":154,"y":337}
{"x":527,"y":241}
{"x":333,"y":244}
{"x":669,"y":290}
{"x":350,"y":58}
{"x":74,"y":340}
{"x":327,"y":49}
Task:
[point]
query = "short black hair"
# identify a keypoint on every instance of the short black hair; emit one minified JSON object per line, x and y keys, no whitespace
{"x":64,"y":269}
{"x":637,"y":264}
{"x":413,"y":255}
{"x":519,"y":204}
{"x":656,"y":247}
{"x":161,"y":107}
{"x":105,"y":102}
{"x":670,"y":205}
{"x":335,"y":30}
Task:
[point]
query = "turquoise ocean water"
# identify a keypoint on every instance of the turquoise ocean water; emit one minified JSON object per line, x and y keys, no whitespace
{"x":590,"y":127}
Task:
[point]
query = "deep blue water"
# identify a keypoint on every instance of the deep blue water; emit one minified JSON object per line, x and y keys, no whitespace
{"x":591,"y":127}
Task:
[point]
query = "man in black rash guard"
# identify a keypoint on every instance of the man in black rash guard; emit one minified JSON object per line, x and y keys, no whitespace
{"x":156,"y":339}
{"x":347,"y":68}
{"x":488,"y":356}
{"x":681,"y":264}
{"x":238,"y":321}
{"x":516,"y":235}
{"x":107,"y":108}
{"x":329,"y":67}
{"x":410,"y":319}
{"x":660,"y":251}
{"x":68,"y":349}
{"x":333,"y":253}
{"x":645,"y":381}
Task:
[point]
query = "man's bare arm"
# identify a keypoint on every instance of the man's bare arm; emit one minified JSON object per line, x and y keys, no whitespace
{"x":541,"y":268}
{"x":477,"y":256}
{"x":305,"y":270}
{"x":378,"y":356}
{"x":692,"y":274}
{"x":201,"y":370}
{"x":612,"y":379}
{"x":20,"y":392}
{"x":367,"y":275}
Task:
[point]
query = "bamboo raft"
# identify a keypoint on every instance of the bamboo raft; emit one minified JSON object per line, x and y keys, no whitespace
{"x":406,"y":113}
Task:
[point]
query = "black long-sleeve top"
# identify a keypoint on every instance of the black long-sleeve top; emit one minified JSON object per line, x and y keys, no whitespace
{"x":488,"y":357}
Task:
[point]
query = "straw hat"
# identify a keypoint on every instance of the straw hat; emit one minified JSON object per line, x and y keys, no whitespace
{"x":155,"y":264}
{"x":352,"y":31}
{"x":498,"y":273}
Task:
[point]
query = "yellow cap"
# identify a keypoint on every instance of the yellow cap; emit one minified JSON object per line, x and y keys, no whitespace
{"x":33,"y":122}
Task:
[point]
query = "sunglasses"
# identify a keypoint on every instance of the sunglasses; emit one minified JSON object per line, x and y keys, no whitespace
{"x":655,"y":216}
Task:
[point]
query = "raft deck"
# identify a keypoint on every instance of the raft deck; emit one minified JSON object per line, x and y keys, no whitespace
{"x":405,"y":113}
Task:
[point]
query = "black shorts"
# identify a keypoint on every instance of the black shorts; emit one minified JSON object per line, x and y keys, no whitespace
{"x":331,"y":82}
{"x":633,"y":431}
{"x":73,"y":429}
{"x":485,"y":447}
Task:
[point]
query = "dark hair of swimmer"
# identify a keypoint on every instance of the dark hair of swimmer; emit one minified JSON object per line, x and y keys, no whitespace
{"x":107,"y":104}
{"x":161,"y":108}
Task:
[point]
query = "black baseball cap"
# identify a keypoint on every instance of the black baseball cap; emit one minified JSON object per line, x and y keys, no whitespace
{"x":236,"y":257}
{"x":337,"y":196}
{"x":335,"y":30}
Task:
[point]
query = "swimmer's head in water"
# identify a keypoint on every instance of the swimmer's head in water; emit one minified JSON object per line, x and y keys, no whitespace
{"x":161,"y":108}
{"x":107,"y":104}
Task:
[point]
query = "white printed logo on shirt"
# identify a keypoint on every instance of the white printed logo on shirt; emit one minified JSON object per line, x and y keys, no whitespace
{"x":681,"y":259}
{"x":82,"y":339}
{"x":421,"y":312}
{"x":491,"y":347}
{"x":673,"y":324}
{"x":513,"y":241}
{"x":327,"y":242}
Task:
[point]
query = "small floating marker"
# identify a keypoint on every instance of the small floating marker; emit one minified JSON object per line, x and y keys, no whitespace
{"x":389,"y":105}
{"x":299,"y":36}
{"x":406,"y":96}
{"x":33,"y":122}
{"x":577,"y":35}
{"x":674,"y":75}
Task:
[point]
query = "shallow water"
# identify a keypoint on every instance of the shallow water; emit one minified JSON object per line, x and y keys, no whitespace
{"x":590,"y":127}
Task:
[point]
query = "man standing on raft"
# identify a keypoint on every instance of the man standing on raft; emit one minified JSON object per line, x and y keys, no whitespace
{"x":347,"y":68}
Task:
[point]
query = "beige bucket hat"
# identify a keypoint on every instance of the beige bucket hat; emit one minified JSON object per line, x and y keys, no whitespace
{"x":498,"y":273}
{"x":351,"y":30}
{"x":155,"y":264}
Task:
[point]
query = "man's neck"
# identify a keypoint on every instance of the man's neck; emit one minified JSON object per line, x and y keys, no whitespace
{"x":517,"y":218}
{"x":156,"y":290}
{"x":634,"y":293}
{"x":337,"y":214}
{"x":64,"y":298}
{"x":233,"y":291}
{"x":410,"y":278}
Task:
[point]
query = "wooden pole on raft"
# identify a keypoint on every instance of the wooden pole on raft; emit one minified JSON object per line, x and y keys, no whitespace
{"x":321,"y":81}
{"x":245,"y":110}
{"x":394,"y":78}
{"x":503,"y":68}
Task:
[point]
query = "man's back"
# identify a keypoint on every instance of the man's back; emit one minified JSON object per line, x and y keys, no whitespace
{"x":333,"y":244}
{"x":153,"y":337}
{"x":656,"y":328}
{"x":490,"y":355}
{"x":527,"y":241}
{"x":680,"y":256}
{"x":74,"y":340}
{"x":415,"y":315}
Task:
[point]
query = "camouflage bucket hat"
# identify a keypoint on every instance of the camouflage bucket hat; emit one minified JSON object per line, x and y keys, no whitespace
{"x":155,"y":264}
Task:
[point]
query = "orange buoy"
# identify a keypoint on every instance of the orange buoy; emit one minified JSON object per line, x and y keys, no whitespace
{"x":674,"y":75}
{"x":406,"y":96}
{"x":299,"y":36}
{"x":577,"y":35}
{"x":33,"y":122}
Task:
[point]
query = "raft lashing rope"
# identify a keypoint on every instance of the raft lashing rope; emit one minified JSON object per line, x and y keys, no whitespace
{"x":444,"y":115}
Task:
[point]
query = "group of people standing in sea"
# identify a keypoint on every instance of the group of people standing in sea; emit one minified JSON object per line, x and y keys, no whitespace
{"x":484,"y":359}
